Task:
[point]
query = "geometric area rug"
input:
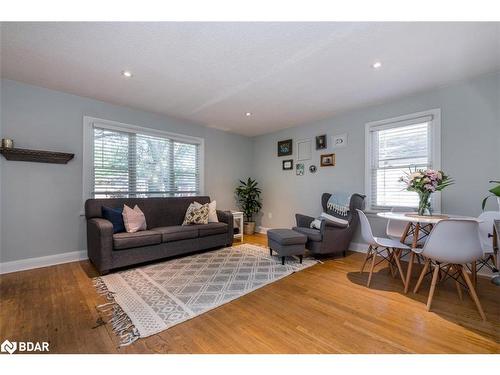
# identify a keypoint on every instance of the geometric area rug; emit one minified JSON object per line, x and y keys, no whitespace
{"x":149,"y":299}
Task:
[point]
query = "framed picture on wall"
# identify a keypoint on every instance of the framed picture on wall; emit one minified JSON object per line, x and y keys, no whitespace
{"x":299,"y":169}
{"x":321,"y":142}
{"x":340,"y":140}
{"x":327,"y":160}
{"x":288,"y":165}
{"x":285,"y":147}
{"x":304,"y":149}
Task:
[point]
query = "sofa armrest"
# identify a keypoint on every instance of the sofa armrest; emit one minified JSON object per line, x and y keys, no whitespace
{"x":100,"y":243}
{"x":303,"y":221}
{"x":227,"y":217}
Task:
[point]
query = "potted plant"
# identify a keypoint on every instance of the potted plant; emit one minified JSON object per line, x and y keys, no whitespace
{"x":248,"y":195}
{"x":495,"y":193}
{"x":425,"y":182}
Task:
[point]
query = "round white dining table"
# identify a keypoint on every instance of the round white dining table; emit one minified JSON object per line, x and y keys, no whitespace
{"x":419,"y":226}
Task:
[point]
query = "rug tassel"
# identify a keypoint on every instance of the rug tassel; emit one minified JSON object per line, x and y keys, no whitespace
{"x":120,"y":322}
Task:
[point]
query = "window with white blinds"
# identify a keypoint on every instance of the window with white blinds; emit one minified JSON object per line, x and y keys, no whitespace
{"x":393,"y":148}
{"x":128,"y":163}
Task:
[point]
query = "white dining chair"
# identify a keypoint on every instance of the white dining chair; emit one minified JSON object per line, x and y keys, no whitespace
{"x":451,"y":245}
{"x":396,"y":228}
{"x":387,"y":248}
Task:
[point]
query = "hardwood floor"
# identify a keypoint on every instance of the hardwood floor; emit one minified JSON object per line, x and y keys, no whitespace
{"x":323,"y":309}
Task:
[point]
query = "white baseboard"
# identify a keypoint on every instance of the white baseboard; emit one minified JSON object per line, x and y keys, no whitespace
{"x":359,"y":247}
{"x":262,"y":230}
{"x":46,"y":261}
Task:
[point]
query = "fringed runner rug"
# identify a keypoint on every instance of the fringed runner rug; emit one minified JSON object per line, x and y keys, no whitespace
{"x":146,"y":300}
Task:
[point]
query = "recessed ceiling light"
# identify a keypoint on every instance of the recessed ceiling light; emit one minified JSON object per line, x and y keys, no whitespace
{"x":376,"y":65}
{"x":248,"y":114}
{"x":127,"y":73}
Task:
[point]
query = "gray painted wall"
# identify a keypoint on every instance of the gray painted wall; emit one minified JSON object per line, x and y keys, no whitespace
{"x":470,"y":137}
{"x":41,"y":203}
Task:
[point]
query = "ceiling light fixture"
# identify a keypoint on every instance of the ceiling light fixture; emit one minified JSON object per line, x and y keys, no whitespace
{"x":248,"y":114}
{"x":127,"y":73}
{"x":376,"y":65}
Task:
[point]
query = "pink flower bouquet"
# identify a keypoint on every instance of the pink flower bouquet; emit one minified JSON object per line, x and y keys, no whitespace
{"x":425,"y":182}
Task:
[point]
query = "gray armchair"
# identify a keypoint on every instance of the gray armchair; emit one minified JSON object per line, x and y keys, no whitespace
{"x":332,"y":237}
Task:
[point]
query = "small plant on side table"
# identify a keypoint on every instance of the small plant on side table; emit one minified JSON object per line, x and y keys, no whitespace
{"x":248,"y":195}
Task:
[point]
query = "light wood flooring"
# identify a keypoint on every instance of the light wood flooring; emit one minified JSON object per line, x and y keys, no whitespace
{"x":324,"y":309}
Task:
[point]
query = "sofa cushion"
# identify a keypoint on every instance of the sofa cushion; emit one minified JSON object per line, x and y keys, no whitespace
{"x":137,"y":239}
{"x":312,"y":234}
{"x":212,"y":228}
{"x":177,"y":232}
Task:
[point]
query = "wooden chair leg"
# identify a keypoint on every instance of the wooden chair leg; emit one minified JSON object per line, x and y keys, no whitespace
{"x":473,"y":273}
{"x":422,"y":275}
{"x":397,"y":256}
{"x":366,"y":259}
{"x":391,"y":260}
{"x":472,"y":292}
{"x":374,"y":257}
{"x":433,"y":286}
{"x":409,"y":271}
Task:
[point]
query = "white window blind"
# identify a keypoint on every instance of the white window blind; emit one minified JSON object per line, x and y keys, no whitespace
{"x":134,"y":164}
{"x":395,"y":148}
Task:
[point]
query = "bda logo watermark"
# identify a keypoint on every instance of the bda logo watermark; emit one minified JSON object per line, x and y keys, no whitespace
{"x":8,"y":347}
{"x":24,"y":346}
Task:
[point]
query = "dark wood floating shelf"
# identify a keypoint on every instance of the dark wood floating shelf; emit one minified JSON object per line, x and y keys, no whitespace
{"x":37,"y":156}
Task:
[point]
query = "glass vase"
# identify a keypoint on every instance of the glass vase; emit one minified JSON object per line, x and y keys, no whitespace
{"x":424,"y":203}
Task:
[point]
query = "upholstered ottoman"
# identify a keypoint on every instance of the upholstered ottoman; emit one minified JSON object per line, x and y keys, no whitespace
{"x":286,"y":242}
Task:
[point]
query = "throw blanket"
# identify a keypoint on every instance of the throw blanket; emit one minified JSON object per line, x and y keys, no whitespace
{"x":339,"y":203}
{"x":316,"y":223}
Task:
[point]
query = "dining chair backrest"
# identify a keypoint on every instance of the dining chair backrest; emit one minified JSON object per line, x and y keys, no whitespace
{"x":366,"y":229}
{"x":487,"y":220}
{"x":396,"y":228}
{"x":454,"y":241}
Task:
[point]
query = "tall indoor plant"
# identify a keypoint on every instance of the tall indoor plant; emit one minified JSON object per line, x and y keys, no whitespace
{"x":495,"y":191}
{"x":248,"y":195}
{"x":425,"y":182}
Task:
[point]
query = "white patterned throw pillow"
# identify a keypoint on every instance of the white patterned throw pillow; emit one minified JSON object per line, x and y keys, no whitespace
{"x":212,"y":211}
{"x":196,"y":215}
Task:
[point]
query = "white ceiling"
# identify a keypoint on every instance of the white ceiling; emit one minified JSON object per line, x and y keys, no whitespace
{"x":286,"y":74}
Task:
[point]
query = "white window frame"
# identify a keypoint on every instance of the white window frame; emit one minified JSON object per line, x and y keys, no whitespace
{"x":88,"y":147}
{"x":435,"y":147}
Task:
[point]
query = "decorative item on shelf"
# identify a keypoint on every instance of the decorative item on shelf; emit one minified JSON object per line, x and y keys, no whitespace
{"x":321,"y":142}
{"x":285,"y":147}
{"x":287,"y":164}
{"x":299,"y":169}
{"x":495,"y":191}
{"x":425,"y":182}
{"x":7,"y":143}
{"x":340,"y":141}
{"x":313,"y":169}
{"x":327,"y":160}
{"x":304,"y":150}
{"x":248,"y":195}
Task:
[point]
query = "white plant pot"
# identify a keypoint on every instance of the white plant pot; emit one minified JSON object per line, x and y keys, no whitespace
{"x":498,"y":200}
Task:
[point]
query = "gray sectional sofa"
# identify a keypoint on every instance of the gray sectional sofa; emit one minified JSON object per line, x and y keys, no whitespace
{"x":165,"y":236}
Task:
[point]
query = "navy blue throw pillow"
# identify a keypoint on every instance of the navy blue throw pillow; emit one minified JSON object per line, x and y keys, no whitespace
{"x":115,"y":216}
